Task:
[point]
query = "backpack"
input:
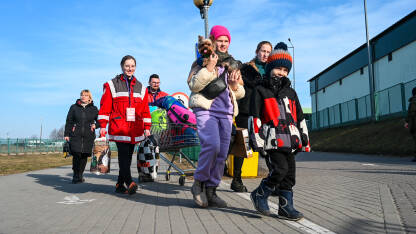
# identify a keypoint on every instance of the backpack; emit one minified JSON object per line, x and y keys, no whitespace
{"x":180,"y":115}
{"x":168,"y":101}
{"x":159,"y":119}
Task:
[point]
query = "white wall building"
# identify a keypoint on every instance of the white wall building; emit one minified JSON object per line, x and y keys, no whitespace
{"x":341,"y":93}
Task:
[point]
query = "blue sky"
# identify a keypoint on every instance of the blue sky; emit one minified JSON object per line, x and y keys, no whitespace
{"x":51,"y":50}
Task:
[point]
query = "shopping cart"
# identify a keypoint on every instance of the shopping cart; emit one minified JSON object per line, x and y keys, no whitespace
{"x":172,"y":139}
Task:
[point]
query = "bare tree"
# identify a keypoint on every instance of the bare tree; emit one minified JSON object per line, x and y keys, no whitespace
{"x":60,"y":133}
{"x":53,"y":135}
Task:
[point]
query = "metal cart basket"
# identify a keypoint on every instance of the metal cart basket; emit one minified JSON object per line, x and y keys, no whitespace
{"x":173,"y":137}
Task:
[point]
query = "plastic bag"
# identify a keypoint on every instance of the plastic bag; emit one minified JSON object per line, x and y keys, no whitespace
{"x":101,"y":158}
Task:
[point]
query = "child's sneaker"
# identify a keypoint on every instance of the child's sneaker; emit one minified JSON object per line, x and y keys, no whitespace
{"x":132,"y":188}
{"x":121,"y":189}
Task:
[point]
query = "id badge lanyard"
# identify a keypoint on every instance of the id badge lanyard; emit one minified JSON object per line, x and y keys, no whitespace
{"x":128,"y":90}
{"x":130,"y":112}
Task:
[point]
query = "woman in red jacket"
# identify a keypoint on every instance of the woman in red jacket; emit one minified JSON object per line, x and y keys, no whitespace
{"x":124,"y":106}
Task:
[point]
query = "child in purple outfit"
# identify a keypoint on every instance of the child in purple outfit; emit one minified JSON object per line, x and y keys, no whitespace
{"x":214,"y":119}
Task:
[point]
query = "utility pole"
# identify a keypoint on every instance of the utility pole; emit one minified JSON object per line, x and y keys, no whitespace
{"x":40,"y":136}
{"x":293,"y":49}
{"x":370,"y":69}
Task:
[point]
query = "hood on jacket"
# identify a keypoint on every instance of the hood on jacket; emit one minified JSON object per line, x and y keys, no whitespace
{"x":78,"y":102}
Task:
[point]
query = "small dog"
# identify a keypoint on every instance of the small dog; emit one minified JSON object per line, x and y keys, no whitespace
{"x":205,"y":48}
{"x":231,"y":64}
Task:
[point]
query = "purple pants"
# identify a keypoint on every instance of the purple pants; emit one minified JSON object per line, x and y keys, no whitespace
{"x":214,"y":134}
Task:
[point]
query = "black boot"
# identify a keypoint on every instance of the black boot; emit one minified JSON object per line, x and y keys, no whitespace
{"x":286,"y":208}
{"x":259,"y":198}
{"x":199,"y":193}
{"x":213,"y":199}
{"x":238,"y":186}
{"x":75,"y":169}
{"x":82,"y":165}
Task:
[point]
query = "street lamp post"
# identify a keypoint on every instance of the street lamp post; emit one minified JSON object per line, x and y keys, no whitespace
{"x":293,"y":52}
{"x":203,"y":6}
{"x":370,"y":69}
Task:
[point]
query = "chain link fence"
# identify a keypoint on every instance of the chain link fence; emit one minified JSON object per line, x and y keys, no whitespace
{"x":390,"y":102}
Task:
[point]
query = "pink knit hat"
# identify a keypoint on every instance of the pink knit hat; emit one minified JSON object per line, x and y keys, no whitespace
{"x":218,"y":30}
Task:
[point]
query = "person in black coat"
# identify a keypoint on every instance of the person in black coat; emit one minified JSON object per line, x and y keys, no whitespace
{"x":410,"y":121}
{"x":252,"y":74}
{"x":80,"y":132}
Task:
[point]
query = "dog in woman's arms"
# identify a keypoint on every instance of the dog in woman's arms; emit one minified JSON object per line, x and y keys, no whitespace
{"x":205,"y":49}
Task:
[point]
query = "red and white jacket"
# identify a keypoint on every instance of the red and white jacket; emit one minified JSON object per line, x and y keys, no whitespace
{"x":114,"y":103}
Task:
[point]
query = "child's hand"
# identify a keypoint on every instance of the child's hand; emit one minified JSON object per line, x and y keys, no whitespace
{"x":212,"y":62}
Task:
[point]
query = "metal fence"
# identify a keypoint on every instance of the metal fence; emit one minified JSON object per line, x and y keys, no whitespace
{"x":390,"y":102}
{"x":30,"y":146}
{"x":24,"y":146}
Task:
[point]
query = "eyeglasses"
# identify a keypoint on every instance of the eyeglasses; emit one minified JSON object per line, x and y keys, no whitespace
{"x":155,"y":82}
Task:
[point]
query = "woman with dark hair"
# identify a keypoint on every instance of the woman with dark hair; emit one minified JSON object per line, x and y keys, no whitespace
{"x":124,"y":107}
{"x":80,"y":132}
{"x":252,"y":74}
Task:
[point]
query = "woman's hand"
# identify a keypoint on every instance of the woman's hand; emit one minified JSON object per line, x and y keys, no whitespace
{"x":146,"y":133}
{"x":66,"y":138}
{"x":234,"y":79}
{"x":406,"y":125}
{"x":92,"y":127}
{"x":102,"y":132}
{"x":212,"y":62}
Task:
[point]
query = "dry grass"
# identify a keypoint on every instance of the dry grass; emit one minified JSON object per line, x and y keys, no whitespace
{"x":12,"y":164}
{"x":387,"y":137}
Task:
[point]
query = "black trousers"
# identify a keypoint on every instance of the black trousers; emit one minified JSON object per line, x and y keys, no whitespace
{"x":241,"y":122}
{"x":282,"y":170}
{"x":125,"y":153}
{"x":79,"y":161}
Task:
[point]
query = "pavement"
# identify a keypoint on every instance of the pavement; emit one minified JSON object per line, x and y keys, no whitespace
{"x":337,"y":193}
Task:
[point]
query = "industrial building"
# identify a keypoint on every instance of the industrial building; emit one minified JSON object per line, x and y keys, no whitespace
{"x":340,"y":94}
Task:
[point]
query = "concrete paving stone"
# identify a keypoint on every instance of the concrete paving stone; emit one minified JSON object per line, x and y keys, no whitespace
{"x":391,"y":215}
{"x":262,"y":223}
{"x":344,"y":193}
{"x":205,"y":217}
{"x":193,"y":223}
